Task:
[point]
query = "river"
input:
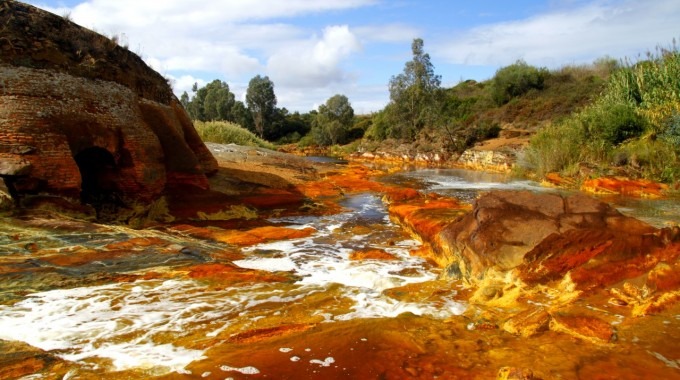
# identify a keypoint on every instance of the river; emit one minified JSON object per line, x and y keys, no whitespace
{"x":159,"y":326}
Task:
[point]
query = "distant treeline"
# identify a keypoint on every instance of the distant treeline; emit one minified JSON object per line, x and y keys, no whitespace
{"x":609,"y":115}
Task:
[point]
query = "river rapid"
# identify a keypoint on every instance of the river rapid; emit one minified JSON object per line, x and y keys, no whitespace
{"x":175,"y":326}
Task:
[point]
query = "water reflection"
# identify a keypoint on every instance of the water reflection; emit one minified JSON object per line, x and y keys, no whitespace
{"x":326,"y":159}
{"x":462,"y":184}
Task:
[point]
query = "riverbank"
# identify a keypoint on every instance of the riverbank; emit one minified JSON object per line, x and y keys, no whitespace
{"x":233,"y":286}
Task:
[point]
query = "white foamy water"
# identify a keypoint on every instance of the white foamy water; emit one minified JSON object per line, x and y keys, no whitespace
{"x":148,"y":324}
{"x":323,"y":260}
{"x":125,"y":322}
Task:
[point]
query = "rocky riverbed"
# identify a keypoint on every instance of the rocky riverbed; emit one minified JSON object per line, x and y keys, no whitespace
{"x":291,"y":269}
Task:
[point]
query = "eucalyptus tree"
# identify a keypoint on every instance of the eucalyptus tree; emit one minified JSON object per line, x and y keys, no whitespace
{"x":261,"y":102}
{"x":413,"y":94}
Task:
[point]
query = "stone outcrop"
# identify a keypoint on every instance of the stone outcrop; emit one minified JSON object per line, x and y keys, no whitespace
{"x":82,"y":116}
{"x":509,"y":228}
{"x":544,"y":238}
{"x":489,"y":160}
{"x":538,"y":263}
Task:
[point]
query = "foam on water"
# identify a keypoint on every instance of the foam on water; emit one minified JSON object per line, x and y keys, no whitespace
{"x":136,"y":325}
{"x":124,"y":322}
{"x":322,"y":261}
{"x":244,"y":370}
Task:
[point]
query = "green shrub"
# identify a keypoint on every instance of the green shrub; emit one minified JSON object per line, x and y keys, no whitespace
{"x":290,"y":138}
{"x":224,"y":132}
{"x":486,"y":130}
{"x":379,"y":129}
{"x":306,"y":140}
{"x":515,"y":80}
{"x":614,"y":123}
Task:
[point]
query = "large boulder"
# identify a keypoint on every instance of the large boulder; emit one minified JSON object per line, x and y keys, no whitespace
{"x":545,"y":236}
{"x":82,"y":116}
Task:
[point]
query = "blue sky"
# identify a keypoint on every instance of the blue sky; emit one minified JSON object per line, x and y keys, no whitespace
{"x":314,"y":49}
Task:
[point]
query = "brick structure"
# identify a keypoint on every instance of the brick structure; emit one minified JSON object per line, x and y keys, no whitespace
{"x":81,"y":116}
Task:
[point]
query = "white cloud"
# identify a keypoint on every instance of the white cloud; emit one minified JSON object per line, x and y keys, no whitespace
{"x":229,"y":37}
{"x":149,"y":12}
{"x":315,"y":62}
{"x":615,"y":28}
{"x":364,"y":99}
{"x":185,"y":83}
{"x":393,"y":33}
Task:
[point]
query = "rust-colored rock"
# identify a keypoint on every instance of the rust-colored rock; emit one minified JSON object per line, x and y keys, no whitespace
{"x":596,"y":258}
{"x":516,"y":244}
{"x":82,"y":116}
{"x":230,"y":274}
{"x":625,"y":186}
{"x":528,"y":323}
{"x":424,"y":219}
{"x":262,"y":234}
{"x":513,"y":373}
{"x":508,"y":228}
{"x":253,"y":336}
{"x":583,"y":327}
{"x":136,"y":243}
{"x":19,"y":359}
{"x":371,"y":254}
{"x":244,"y":238}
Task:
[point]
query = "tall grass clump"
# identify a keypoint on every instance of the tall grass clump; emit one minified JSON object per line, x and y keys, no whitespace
{"x":553,"y":149}
{"x":224,"y":132}
{"x":633,"y":126}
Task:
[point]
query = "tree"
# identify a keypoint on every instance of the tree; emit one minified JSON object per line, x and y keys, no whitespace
{"x":218,"y":101}
{"x":214,"y":101}
{"x":241,"y":116}
{"x":412,"y":93}
{"x":261,"y":102}
{"x":333,"y":121}
{"x":184,"y":100}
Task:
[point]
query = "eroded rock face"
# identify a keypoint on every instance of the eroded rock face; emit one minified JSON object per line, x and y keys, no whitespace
{"x":82,"y":116}
{"x":547,"y":234}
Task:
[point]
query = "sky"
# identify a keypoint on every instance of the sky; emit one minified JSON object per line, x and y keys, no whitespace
{"x":314,"y":49}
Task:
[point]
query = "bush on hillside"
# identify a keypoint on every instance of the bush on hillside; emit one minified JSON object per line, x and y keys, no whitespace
{"x":556,"y":148}
{"x":515,"y":80}
{"x":614,"y":123}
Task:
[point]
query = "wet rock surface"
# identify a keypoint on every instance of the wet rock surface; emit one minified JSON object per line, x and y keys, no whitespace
{"x":543,"y":264}
{"x":195,"y":271}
